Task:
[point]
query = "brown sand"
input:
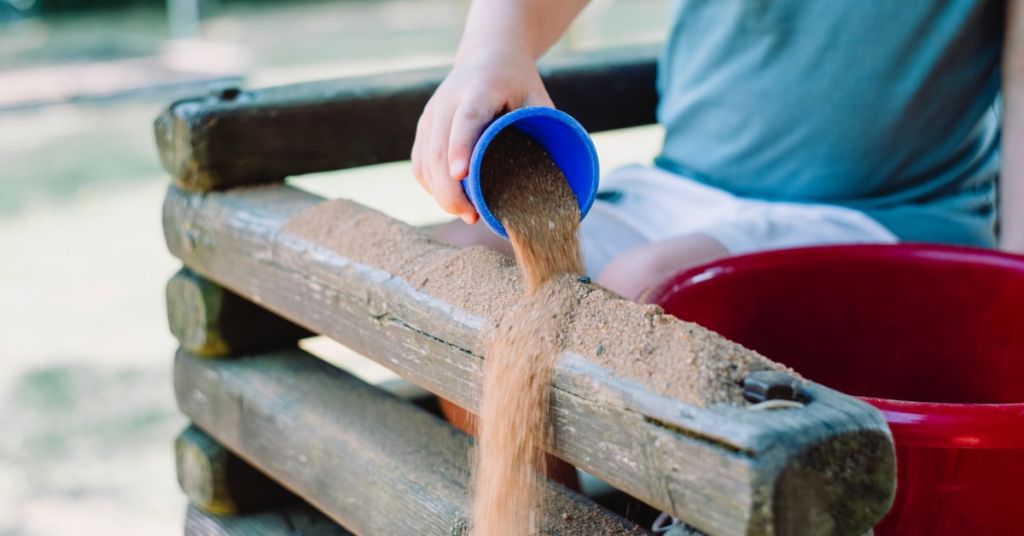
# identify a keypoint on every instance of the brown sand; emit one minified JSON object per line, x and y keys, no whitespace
{"x":639,"y":342}
{"x":527,"y":192}
{"x":672,"y":358}
{"x":529,"y":195}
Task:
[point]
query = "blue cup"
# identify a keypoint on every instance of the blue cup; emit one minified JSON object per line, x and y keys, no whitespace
{"x":566,"y":142}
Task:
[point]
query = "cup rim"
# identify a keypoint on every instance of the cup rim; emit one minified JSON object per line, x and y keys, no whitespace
{"x":471,"y":184}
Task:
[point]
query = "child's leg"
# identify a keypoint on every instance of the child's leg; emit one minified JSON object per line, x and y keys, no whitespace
{"x":458,"y":233}
{"x":635,"y":270}
{"x":739,"y":227}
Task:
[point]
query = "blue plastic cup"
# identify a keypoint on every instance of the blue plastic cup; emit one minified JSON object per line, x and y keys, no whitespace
{"x":566,"y":142}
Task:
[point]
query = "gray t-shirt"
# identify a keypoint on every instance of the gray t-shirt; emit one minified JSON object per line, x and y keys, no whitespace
{"x":887,"y":106}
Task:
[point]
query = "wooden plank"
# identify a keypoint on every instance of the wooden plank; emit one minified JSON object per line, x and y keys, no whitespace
{"x":296,"y":520}
{"x":388,"y":292}
{"x":211,"y":321}
{"x":370,"y":461}
{"x":217,"y":481}
{"x":232,"y":138}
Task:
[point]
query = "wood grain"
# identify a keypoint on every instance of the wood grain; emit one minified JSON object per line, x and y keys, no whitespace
{"x":296,"y":520}
{"x":211,"y":321}
{"x":215,"y":142}
{"x":217,"y":481}
{"x":827,"y":468}
{"x":370,"y":461}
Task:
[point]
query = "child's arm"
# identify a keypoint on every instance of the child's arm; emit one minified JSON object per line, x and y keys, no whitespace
{"x":494,"y":70}
{"x":1012,"y":179}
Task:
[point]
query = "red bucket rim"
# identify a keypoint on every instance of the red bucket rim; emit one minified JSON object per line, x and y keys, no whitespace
{"x":977,"y":425}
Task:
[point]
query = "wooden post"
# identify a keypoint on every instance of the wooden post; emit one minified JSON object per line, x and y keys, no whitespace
{"x":372,"y":462}
{"x":247,"y":137}
{"x":296,"y":520}
{"x":217,"y":481}
{"x":211,"y":321}
{"x":827,"y":467}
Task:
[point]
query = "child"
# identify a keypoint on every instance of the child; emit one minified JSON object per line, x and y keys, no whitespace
{"x":787,"y":123}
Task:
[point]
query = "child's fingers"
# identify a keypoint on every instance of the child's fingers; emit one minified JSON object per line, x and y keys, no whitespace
{"x":416,"y":155}
{"x":452,"y":199}
{"x":448,"y":193}
{"x":470,"y":119}
{"x":436,"y":157}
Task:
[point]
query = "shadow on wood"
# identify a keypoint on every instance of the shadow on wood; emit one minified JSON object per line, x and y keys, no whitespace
{"x":295,"y":520}
{"x":219,"y":482}
{"x":211,"y":321}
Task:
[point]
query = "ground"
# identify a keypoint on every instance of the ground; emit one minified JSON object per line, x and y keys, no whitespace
{"x":85,"y":389}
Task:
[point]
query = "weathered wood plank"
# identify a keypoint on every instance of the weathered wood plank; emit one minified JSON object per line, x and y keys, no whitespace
{"x":372,"y":462}
{"x":296,"y":520}
{"x":211,"y":321}
{"x":234,"y":138}
{"x":217,"y":481}
{"x":386,"y":291}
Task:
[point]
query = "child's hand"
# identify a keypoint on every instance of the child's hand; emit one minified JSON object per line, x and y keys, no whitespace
{"x":481,"y":85}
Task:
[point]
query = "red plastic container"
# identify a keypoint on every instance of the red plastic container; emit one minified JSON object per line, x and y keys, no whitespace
{"x":931,"y":335}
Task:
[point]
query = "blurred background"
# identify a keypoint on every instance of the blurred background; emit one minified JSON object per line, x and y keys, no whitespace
{"x":85,"y":388}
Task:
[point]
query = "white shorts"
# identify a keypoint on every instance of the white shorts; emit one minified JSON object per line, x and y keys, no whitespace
{"x":638,"y":205}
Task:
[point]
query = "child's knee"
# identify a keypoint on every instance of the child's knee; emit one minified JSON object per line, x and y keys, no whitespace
{"x":454,"y":232}
{"x":631,"y":272}
{"x":459,"y":234}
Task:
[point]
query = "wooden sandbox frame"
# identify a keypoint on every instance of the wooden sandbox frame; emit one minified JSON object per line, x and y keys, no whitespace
{"x":283,"y":440}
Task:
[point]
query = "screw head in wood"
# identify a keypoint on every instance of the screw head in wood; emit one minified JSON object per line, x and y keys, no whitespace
{"x":229,"y":93}
{"x":764,"y":385}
